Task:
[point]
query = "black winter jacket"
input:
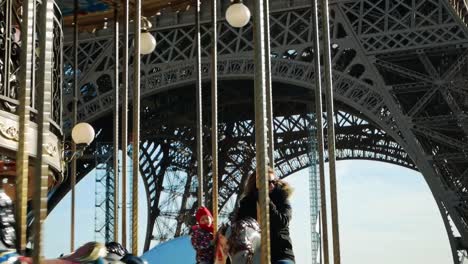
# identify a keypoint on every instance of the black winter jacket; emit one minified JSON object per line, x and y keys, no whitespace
{"x":280,"y":215}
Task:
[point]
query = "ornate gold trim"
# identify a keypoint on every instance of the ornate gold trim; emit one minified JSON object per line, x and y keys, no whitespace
{"x":50,"y":149}
{"x":9,"y":132}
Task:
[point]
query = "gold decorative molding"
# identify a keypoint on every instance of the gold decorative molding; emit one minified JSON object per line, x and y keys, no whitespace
{"x":9,"y":132}
{"x":9,"y":139}
{"x":50,"y":149}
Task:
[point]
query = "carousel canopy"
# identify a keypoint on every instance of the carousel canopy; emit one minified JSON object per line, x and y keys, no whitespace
{"x":93,"y":14}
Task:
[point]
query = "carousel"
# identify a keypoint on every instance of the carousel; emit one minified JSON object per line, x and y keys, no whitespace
{"x":39,"y":147}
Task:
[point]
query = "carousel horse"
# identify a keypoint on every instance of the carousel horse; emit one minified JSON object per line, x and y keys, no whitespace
{"x":240,"y":242}
{"x":90,"y":253}
{"x":131,"y":259}
{"x":8,"y":256}
{"x":7,"y":222}
{"x":115,"y":252}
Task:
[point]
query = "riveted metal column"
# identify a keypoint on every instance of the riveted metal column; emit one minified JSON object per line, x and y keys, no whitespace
{"x":331,"y":131}
{"x":126,"y":18}
{"x":214,"y":110}
{"x":261,"y":126}
{"x":320,"y":141}
{"x":116,"y":122}
{"x":46,"y":27}
{"x":26,"y":84}
{"x":136,"y":124}
{"x":74,"y":122}
{"x":269,"y":88}
{"x":199,"y":107}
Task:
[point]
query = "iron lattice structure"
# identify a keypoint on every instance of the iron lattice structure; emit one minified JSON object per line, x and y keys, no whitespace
{"x":104,"y":192}
{"x":399,"y":72}
{"x":314,"y":197}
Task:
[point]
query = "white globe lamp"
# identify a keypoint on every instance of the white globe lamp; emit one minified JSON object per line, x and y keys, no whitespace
{"x":147,"y":42}
{"x":83,"y":134}
{"x":238,"y":15}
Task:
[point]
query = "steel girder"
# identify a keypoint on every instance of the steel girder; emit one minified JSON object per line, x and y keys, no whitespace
{"x":430,"y":70}
{"x":417,"y":100}
{"x":383,"y":26}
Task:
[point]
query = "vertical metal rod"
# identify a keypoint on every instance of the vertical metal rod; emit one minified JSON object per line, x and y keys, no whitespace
{"x":136,"y":124}
{"x":199,"y":107}
{"x":214,"y":110}
{"x":331,"y":131}
{"x":269,"y":88}
{"x":46,"y":41}
{"x":124,"y":120}
{"x":60,"y":81}
{"x":33,"y":73}
{"x":74,"y":122}
{"x":320,"y":138}
{"x":7,"y":45}
{"x":26,"y":84}
{"x":261,"y":127}
{"x":116,"y":122}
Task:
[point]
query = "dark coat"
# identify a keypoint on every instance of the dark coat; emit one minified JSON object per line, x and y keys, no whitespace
{"x":280,"y":216}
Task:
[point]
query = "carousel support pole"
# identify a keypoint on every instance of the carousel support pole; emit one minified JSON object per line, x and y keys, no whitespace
{"x":261,"y":126}
{"x":44,"y":113}
{"x":116,"y":123}
{"x":214,"y":111}
{"x":136,"y":124}
{"x":331,"y":131}
{"x":7,"y":46}
{"x":126,"y":17}
{"x":199,"y":107}
{"x":75,"y":121}
{"x":269,"y":88}
{"x":26,"y":85}
{"x":320,"y":140}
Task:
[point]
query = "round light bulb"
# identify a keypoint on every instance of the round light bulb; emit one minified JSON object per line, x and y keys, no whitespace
{"x":238,"y":15}
{"x":147,"y":43}
{"x":83,"y":133}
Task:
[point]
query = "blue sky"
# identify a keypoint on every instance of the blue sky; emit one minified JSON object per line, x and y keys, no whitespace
{"x":386,"y":214}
